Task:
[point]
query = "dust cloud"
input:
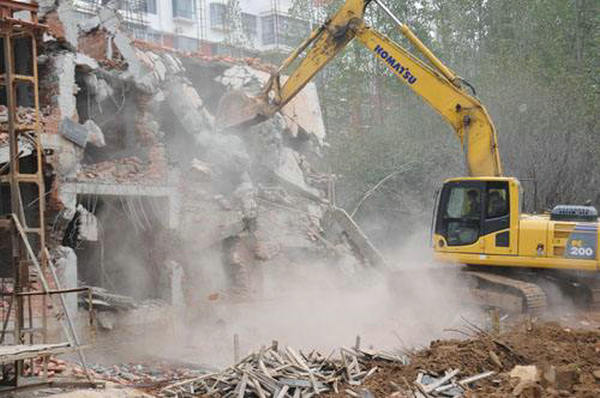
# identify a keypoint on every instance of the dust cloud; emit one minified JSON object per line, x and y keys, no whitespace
{"x":321,"y":306}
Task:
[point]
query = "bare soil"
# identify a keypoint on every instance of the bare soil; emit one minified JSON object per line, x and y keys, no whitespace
{"x":574,"y":354}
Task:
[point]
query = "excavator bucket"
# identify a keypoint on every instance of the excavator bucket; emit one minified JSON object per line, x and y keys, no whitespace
{"x":236,"y":109}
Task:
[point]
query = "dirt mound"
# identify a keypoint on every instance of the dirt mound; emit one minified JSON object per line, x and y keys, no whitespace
{"x":566,"y":360}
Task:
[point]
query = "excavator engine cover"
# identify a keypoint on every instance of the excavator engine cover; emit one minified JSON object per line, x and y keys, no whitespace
{"x":236,"y":109}
{"x":574,"y":213}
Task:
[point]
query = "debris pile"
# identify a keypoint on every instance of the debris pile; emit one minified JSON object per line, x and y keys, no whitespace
{"x":527,"y":361}
{"x":138,"y":375}
{"x":445,"y":385}
{"x":280,"y":372}
{"x":55,"y":366}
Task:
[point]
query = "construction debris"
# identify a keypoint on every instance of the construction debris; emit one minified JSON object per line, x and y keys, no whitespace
{"x":282,"y":371}
{"x":103,"y":299}
{"x":147,"y":375}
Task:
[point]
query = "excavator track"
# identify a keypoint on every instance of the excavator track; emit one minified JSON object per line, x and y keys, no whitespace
{"x":586,"y":287}
{"x":507,"y":290}
{"x":595,"y":296}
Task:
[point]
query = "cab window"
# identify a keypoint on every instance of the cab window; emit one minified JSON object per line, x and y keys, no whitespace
{"x":497,"y":207}
{"x":461,"y":216}
{"x":497,"y":202}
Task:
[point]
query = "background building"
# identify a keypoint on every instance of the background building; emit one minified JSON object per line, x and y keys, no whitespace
{"x":210,"y":26}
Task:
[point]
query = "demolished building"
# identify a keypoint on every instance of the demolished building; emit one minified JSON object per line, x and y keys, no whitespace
{"x":145,"y":198}
{"x":145,"y":183}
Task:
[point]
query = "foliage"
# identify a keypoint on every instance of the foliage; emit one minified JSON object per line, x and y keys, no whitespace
{"x":536,"y":67}
{"x":235,"y":35}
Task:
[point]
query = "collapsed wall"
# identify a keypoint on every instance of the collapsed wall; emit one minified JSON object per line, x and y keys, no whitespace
{"x":147,"y":198}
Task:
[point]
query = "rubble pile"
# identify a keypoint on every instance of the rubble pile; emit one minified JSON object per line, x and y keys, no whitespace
{"x":536,"y":360}
{"x":281,"y":372}
{"x":121,"y":170}
{"x":24,"y":118}
{"x":55,"y":367}
{"x":139,"y":375}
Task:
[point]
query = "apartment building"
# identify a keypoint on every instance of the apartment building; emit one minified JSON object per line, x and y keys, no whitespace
{"x":206,"y":25}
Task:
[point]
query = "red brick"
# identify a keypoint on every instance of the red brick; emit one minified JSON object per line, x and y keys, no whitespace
{"x":94,"y":44}
{"x":55,"y":26}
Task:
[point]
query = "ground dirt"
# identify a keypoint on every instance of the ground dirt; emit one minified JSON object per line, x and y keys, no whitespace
{"x":564,"y":345}
{"x":574,"y":354}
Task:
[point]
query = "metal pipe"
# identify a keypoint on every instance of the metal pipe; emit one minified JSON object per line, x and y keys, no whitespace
{"x":43,"y":293}
{"x":415,"y":41}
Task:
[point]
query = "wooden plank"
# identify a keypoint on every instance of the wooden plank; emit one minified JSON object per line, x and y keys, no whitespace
{"x":241,"y":388}
{"x":438,"y":383}
{"x":283,"y":392}
{"x":13,"y":353}
{"x":477,"y":377}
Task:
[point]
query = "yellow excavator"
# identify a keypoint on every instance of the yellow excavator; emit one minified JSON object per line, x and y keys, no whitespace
{"x":513,"y":259}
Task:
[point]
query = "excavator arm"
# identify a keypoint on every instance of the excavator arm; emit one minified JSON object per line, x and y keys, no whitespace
{"x":436,"y":84}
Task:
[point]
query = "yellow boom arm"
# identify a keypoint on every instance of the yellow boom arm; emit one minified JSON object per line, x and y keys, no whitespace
{"x":436,"y":84}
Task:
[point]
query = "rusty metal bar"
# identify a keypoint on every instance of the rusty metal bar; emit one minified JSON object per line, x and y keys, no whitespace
{"x":42,"y":293}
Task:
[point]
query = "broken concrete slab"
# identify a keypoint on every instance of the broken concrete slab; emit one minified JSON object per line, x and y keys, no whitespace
{"x":88,"y":225}
{"x":156,"y":65}
{"x":186,"y":104}
{"x":228,"y":152}
{"x":291,"y":176}
{"x":95,"y":135}
{"x":357,"y":236}
{"x":246,"y":195}
{"x":244,"y":78}
{"x":144,"y":79}
{"x":46,"y":6}
{"x":69,"y":191}
{"x":526,"y":373}
{"x":85,"y":62}
{"x":68,"y":18}
{"x":90,"y":23}
{"x":201,"y":169}
{"x":303,"y":111}
{"x":74,"y":132}
{"x":98,"y":87}
{"x":67,"y":156}
{"x":172,"y":63}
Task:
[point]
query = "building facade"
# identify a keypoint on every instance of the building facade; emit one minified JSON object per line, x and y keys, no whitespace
{"x":210,"y":26}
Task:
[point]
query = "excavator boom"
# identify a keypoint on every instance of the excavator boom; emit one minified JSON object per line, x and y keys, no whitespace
{"x":436,"y":84}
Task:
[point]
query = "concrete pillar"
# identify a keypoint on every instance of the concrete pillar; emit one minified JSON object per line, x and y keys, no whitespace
{"x":66,"y":270}
{"x":171,"y":284}
{"x":177,"y":297}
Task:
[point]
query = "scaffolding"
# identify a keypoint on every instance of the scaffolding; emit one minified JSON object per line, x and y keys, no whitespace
{"x":133,"y":13}
{"x":201,"y":17}
{"x":23,"y":224}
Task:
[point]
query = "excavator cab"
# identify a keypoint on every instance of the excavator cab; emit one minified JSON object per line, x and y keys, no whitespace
{"x":473,"y":211}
